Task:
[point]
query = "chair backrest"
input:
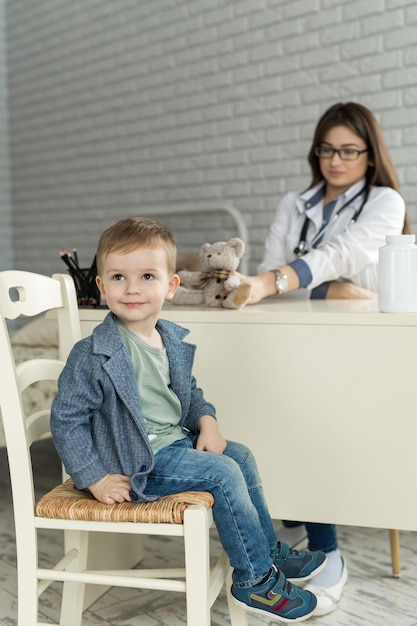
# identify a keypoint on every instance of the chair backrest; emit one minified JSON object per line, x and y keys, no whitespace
{"x":38,"y":293}
{"x":28,"y":294}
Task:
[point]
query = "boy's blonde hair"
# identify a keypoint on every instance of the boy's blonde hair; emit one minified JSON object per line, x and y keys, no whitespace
{"x":136,"y":232}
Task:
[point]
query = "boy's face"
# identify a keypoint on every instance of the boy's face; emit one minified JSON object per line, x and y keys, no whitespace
{"x":136,"y":284}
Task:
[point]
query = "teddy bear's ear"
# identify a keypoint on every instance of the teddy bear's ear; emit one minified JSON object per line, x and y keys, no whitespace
{"x":204,"y":248}
{"x":238,"y":245}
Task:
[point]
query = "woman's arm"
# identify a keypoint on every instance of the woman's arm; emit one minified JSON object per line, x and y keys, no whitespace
{"x":349,"y":291}
{"x":344,"y":255}
{"x":350,"y":251}
{"x":263,"y":285}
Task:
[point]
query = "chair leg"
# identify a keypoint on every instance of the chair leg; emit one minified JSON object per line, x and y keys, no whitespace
{"x":73,"y":593}
{"x":197,"y":565}
{"x":238,"y":615}
{"x":111,"y":552}
{"x":27,"y":584}
{"x":394,"y":537}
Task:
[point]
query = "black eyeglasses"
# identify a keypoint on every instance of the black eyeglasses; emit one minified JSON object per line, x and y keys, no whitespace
{"x":346,"y":154}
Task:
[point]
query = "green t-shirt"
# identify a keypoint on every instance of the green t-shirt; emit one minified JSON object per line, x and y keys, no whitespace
{"x":160,"y":405}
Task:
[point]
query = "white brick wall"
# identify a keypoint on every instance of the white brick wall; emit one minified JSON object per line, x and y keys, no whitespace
{"x":116,"y":105}
{"x":6,"y":231}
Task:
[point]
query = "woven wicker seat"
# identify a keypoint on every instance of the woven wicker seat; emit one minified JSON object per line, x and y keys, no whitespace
{"x":91,"y":528}
{"x":65,"y":502}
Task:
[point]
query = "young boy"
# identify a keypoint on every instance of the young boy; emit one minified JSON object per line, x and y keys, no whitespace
{"x":130,"y":423}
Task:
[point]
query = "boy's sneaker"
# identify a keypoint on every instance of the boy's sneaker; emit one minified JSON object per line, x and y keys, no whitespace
{"x":276,"y":598}
{"x":298,"y":565}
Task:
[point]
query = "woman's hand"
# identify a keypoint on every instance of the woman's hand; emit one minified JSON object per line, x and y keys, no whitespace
{"x":210,"y":437}
{"x":111,"y":489}
{"x":263,"y":285}
{"x":349,"y":291}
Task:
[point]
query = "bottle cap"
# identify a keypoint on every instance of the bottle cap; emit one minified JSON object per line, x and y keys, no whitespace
{"x":400,"y":238}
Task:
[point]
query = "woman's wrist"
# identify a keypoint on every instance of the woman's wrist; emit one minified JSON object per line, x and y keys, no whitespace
{"x":282,"y":279}
{"x":264,"y":285}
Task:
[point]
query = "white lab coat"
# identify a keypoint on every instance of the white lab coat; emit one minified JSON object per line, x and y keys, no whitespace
{"x":348,"y":251}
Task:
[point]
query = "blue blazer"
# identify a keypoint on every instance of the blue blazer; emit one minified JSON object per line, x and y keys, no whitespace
{"x":97,"y":422}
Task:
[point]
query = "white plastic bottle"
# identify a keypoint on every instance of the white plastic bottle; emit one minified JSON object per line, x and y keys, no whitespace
{"x":398,"y":275}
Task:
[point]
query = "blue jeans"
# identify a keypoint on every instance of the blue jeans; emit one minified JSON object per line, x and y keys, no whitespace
{"x":242,"y":518}
{"x":320,"y":536}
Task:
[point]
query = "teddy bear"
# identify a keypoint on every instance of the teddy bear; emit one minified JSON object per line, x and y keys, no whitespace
{"x":208,"y":285}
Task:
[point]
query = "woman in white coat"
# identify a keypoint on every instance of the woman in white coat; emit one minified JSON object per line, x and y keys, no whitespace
{"x":324,"y":243}
{"x":325,"y":240}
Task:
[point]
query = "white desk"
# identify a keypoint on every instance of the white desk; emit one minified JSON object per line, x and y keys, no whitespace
{"x":323,"y":393}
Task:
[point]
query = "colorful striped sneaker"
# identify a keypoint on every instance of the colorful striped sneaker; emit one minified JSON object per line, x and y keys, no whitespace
{"x":276,"y":598}
{"x":298,"y":565}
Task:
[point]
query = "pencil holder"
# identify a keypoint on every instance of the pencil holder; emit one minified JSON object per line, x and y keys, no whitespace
{"x":88,"y":294}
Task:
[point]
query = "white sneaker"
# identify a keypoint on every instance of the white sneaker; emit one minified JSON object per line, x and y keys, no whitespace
{"x":328,"y":598}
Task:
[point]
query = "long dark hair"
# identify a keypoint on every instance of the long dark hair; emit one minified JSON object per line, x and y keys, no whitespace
{"x":363,"y":123}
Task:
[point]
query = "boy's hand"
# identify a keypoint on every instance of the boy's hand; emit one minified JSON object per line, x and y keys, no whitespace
{"x":111,"y":489}
{"x":210,"y":437}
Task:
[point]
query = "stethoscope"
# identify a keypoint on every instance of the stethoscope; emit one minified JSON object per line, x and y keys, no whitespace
{"x":304,"y":247}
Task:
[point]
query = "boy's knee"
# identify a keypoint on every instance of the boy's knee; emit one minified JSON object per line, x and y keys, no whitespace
{"x":238,"y":452}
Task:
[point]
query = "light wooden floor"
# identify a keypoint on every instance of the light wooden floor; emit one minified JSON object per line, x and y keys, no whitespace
{"x":372,"y":597}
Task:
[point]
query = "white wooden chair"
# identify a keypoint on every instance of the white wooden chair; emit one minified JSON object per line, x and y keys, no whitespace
{"x":187,"y":515}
